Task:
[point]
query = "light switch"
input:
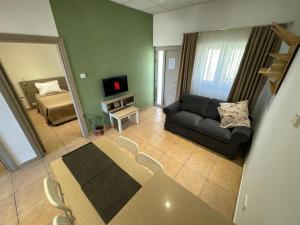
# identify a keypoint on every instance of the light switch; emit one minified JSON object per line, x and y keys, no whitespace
{"x":82,"y":75}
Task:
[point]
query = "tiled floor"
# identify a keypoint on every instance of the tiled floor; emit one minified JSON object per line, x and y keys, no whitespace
{"x":208,"y":175}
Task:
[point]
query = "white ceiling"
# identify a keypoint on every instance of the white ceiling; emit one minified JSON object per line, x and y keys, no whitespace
{"x":159,"y":6}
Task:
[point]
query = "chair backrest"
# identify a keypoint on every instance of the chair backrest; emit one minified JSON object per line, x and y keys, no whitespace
{"x":53,"y":193}
{"x":62,"y":220}
{"x":149,"y":162}
{"x":128,"y":144}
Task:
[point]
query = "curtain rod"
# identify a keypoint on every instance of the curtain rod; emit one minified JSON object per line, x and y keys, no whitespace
{"x":224,"y":29}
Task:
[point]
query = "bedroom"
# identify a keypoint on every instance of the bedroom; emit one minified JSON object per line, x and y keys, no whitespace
{"x":37,"y":74}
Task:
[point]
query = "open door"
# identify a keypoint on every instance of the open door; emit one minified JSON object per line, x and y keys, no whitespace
{"x":6,"y":159}
{"x":166,"y":76}
{"x":8,"y":92}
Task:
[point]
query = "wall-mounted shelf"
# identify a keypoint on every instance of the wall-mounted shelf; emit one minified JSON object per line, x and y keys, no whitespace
{"x":118,"y":103}
{"x":281,"y":62}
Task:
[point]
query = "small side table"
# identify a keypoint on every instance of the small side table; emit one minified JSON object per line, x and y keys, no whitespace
{"x":123,"y":113}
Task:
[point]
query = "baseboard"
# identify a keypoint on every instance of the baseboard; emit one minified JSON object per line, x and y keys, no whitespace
{"x":239,"y":195}
{"x":27,"y":163}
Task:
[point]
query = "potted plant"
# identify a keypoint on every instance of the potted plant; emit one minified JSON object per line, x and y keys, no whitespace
{"x":97,"y":122}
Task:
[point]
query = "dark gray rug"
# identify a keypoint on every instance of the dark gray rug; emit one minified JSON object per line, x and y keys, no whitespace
{"x":105,"y":184}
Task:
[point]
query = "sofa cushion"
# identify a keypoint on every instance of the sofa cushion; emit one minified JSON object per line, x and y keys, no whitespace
{"x":211,"y":128}
{"x":212,"y":109}
{"x":194,"y":104}
{"x":186,"y":119}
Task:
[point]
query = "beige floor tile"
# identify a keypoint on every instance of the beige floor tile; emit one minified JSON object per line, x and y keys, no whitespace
{"x":52,"y":156}
{"x":67,"y":132}
{"x":156,"y":118}
{"x":148,"y":136}
{"x":111,"y":132}
{"x":187,"y":143}
{"x":54,"y":145}
{"x":74,"y":143}
{"x":226,"y":174}
{"x":40,"y":214}
{"x":43,"y":130}
{"x":219,"y":199}
{"x":162,"y":144}
{"x":134,"y":130}
{"x":29,"y":174}
{"x":6,"y":187}
{"x":142,"y":144}
{"x":152,"y":151}
{"x":7,"y":209}
{"x":171,"y":137}
{"x":13,"y":221}
{"x":171,"y":167}
{"x":32,"y":194}
{"x":190,"y":180}
{"x":200,"y":162}
{"x":179,"y":153}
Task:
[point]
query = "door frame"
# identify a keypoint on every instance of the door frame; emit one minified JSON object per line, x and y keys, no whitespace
{"x":13,"y":101}
{"x":165,"y":49}
{"x":7,"y":160}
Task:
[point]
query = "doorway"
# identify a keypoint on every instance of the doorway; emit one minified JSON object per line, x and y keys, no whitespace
{"x":24,"y":109}
{"x":166,"y":75}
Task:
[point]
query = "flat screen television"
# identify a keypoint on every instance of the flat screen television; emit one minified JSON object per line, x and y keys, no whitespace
{"x":115,"y":85}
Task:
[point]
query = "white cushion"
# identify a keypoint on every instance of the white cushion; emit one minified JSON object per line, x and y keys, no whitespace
{"x":48,"y":87}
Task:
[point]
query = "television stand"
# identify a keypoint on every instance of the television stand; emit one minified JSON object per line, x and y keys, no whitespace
{"x":118,"y":103}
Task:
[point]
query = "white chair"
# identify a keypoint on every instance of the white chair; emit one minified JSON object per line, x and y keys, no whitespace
{"x":149,"y":162}
{"x":55,"y":197}
{"x":128,"y":144}
{"x":62,"y":220}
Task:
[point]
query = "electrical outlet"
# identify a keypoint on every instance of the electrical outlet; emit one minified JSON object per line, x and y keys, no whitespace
{"x":245,"y":203}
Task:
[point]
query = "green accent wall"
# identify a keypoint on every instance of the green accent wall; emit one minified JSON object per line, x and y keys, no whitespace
{"x":104,"y":39}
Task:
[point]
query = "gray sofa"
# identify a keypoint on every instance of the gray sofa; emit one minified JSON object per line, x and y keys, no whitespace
{"x":197,"y":118}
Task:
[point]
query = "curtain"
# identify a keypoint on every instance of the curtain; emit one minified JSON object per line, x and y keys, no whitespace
{"x":186,"y":63}
{"x":218,"y":56}
{"x":249,"y":83}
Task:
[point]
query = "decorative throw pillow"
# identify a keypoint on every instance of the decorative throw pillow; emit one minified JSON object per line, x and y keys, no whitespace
{"x":48,"y":87}
{"x":234,"y":114}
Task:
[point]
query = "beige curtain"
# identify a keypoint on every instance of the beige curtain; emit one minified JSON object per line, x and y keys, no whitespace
{"x":186,"y":63}
{"x":248,"y":82}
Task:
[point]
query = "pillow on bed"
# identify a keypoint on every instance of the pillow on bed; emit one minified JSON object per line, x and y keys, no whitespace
{"x":48,"y":87}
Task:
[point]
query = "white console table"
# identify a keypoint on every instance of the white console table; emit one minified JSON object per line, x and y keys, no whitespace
{"x":123,"y":113}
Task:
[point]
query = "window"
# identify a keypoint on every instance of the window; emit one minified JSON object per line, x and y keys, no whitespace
{"x":211,"y":64}
{"x":217,"y":60}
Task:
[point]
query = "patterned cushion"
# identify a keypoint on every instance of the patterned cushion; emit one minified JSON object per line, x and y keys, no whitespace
{"x":234,"y":114}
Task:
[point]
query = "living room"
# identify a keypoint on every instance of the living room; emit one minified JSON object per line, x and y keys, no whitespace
{"x":240,"y":173}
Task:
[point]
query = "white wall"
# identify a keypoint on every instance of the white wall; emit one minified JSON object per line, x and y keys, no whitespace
{"x":271,"y":174}
{"x":12,"y":136}
{"x":221,"y":14}
{"x":25,"y":61}
{"x":27,"y":17}
{"x":23,"y":17}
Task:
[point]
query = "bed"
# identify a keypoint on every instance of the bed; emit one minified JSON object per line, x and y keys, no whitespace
{"x":56,"y":107}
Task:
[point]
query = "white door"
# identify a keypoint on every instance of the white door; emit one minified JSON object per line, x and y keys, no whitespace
{"x":167,"y":71}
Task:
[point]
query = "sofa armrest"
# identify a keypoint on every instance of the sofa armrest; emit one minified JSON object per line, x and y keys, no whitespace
{"x":241,"y":134}
{"x":172,"y":109}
